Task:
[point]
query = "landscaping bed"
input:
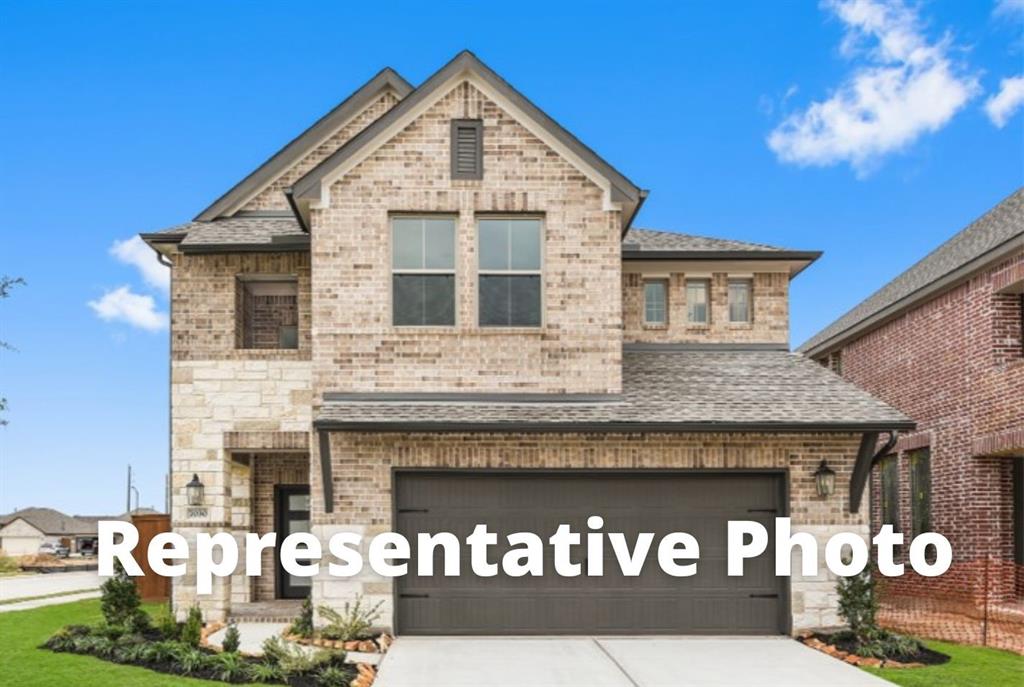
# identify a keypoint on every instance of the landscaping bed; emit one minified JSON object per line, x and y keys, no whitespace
{"x":887,"y":651}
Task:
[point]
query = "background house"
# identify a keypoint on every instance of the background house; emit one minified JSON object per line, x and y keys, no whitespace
{"x":944,"y":343}
{"x":24,"y":531}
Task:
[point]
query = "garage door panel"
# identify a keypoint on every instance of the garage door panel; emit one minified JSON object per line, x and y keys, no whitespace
{"x":653,"y":602}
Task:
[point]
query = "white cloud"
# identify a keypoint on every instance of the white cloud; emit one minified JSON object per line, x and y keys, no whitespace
{"x":136,"y":253}
{"x":906,"y":87}
{"x":1001,"y":106}
{"x":1008,"y":8}
{"x":122,"y":305}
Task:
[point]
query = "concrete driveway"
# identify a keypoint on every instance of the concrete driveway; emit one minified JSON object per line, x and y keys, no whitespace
{"x":614,"y":662}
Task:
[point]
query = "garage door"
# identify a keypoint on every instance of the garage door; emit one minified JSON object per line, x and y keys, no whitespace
{"x":709,"y":602}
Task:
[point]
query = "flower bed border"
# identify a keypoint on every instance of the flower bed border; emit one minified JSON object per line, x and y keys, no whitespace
{"x":820,"y":642}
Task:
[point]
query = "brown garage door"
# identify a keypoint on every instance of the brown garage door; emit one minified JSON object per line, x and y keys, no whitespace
{"x":700,"y":503}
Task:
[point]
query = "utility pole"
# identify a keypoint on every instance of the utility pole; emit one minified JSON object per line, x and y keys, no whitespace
{"x":128,"y":509}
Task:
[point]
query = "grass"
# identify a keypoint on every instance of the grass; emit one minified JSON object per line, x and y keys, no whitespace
{"x":25,"y":665}
{"x":8,"y":602}
{"x":972,"y":666}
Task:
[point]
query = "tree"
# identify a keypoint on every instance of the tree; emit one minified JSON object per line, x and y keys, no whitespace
{"x":120,"y":601}
{"x":6,"y":285}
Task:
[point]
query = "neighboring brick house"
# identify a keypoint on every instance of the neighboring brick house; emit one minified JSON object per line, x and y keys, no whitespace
{"x":430,"y":310}
{"x":942,"y":342}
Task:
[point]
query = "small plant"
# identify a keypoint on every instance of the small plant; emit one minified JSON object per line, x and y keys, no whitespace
{"x":303,"y":625}
{"x":167,"y":624}
{"x":294,"y":660}
{"x":192,"y":630}
{"x":62,"y":640}
{"x":231,"y":639}
{"x":264,"y":672}
{"x":354,"y":622}
{"x":120,"y":599}
{"x":228,"y":667}
{"x":164,"y":652}
{"x":857,"y":604}
{"x":8,"y":564}
{"x":189,"y":660}
{"x":334,"y":676}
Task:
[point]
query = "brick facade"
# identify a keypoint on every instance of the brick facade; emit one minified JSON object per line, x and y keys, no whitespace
{"x":769,"y":324}
{"x":362,"y":465}
{"x":955,"y":364}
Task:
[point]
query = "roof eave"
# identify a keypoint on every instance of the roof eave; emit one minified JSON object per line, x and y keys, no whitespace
{"x":612,"y":427}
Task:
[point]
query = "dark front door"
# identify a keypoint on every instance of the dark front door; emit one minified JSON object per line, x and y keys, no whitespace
{"x":710,"y":602}
{"x":292,"y":513}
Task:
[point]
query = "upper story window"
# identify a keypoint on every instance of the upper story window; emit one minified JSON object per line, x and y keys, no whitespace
{"x":267,"y":312}
{"x":891,"y":491}
{"x":467,"y":149}
{"x":920,"y":491}
{"x":510,"y":272}
{"x":697,"y":301}
{"x":740,"y":300}
{"x":423,"y":271}
{"x":656,"y":302}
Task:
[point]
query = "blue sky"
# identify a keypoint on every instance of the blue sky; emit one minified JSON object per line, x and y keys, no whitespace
{"x":869,"y":130}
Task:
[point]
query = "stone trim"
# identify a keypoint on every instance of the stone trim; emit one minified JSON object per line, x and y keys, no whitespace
{"x":1009,"y":442}
{"x":912,"y":442}
{"x":1008,"y":277}
{"x":266,"y":441}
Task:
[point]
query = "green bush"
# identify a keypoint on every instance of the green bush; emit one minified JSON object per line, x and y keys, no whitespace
{"x":303,"y":625}
{"x":189,"y":660}
{"x":120,"y":600}
{"x":8,"y":564}
{"x":231,"y":639}
{"x":857,"y":603}
{"x":354,"y":622}
{"x":293,"y":660}
{"x":192,"y":630}
{"x":228,"y":667}
{"x":264,"y":672}
{"x":885,"y":644}
{"x":167,"y":624}
{"x":334,"y":676}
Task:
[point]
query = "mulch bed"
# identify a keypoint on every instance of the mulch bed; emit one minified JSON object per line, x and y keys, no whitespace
{"x":842,"y":648}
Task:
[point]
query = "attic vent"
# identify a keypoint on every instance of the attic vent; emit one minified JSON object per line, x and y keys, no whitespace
{"x":467,"y":149}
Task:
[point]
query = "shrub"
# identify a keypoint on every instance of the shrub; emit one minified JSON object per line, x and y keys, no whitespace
{"x":228,"y":667}
{"x":885,"y":644}
{"x":164,"y":652}
{"x":167,"y":624}
{"x":264,"y":672}
{"x":8,"y":564}
{"x":857,"y":603}
{"x":303,"y":625}
{"x":354,"y":622}
{"x":120,"y":600}
{"x":231,"y":639}
{"x":334,"y":676}
{"x":192,"y":630}
{"x":62,"y":640}
{"x":188,"y":659}
{"x":294,"y":660}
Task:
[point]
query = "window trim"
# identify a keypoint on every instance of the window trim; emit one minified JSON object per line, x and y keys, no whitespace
{"x":454,"y":271}
{"x":478,"y":126}
{"x":706,"y":322}
{"x":539,"y":272}
{"x":655,"y":324}
{"x":750,"y":299}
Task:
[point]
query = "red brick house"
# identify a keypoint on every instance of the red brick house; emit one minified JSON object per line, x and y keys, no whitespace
{"x":943,"y":343}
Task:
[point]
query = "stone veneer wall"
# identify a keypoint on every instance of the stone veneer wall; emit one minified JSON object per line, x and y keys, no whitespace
{"x":577,"y":349}
{"x":362,"y":465}
{"x":770,"y":323}
{"x":220,"y":406}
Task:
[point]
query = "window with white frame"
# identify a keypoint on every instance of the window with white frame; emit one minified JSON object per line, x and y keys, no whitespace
{"x":656,"y":302}
{"x":740,"y":300}
{"x":697,"y":301}
{"x":510,"y":272}
{"x":423,"y":271}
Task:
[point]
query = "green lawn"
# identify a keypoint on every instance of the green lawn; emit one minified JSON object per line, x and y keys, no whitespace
{"x":972,"y":666}
{"x":25,"y":665}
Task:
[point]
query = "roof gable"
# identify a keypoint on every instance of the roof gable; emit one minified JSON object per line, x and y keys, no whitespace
{"x":998,"y":232}
{"x":312,"y":190}
{"x":387,"y":80}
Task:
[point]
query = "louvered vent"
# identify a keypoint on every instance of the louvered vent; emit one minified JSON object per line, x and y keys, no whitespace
{"x":467,"y":149}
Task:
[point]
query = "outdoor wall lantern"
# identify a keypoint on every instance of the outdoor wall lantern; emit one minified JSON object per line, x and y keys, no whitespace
{"x":825,"y":479}
{"x":195,"y":491}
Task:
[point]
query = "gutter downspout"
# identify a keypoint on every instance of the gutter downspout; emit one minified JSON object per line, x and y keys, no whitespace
{"x":867,"y":459}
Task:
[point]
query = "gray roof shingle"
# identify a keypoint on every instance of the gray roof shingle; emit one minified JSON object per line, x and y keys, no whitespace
{"x":50,"y":521}
{"x":651,"y":239}
{"x":1003,"y":223}
{"x":674,"y":389}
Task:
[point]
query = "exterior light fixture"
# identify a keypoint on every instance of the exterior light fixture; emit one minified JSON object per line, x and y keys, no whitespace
{"x":195,"y":491}
{"x":825,"y":480}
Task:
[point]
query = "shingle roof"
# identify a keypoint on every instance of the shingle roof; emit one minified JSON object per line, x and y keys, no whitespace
{"x":50,"y":521}
{"x":1001,"y":224}
{"x":676,"y":389}
{"x":243,"y":230}
{"x":652,"y":239}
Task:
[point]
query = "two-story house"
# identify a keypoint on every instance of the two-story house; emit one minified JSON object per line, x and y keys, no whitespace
{"x":944,"y":343}
{"x":430,"y":311}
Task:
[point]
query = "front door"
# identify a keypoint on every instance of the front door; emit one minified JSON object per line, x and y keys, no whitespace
{"x":291,"y":508}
